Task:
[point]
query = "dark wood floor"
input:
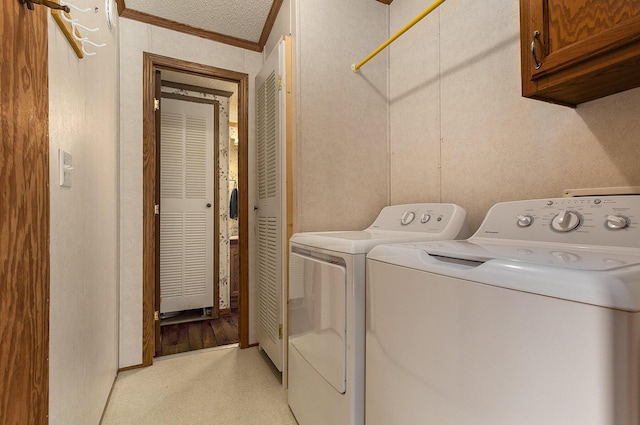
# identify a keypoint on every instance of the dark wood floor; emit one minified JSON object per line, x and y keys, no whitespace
{"x":182,"y":337}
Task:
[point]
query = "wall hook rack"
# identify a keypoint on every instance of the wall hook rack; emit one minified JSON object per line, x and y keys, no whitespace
{"x":50,"y":4}
{"x":70,"y":28}
{"x":61,"y":12}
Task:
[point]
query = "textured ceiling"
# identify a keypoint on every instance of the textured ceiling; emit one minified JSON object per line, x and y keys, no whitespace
{"x":243,"y":19}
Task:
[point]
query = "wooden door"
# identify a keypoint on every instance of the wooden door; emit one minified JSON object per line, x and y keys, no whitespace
{"x":24,"y":216}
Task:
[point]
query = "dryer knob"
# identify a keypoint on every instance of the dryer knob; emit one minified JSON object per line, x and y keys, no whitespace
{"x":425,"y":218}
{"x":407,"y":217}
{"x":616,"y":222}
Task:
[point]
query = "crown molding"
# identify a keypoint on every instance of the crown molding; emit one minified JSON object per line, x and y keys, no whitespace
{"x":186,"y":29}
{"x":209,"y":35}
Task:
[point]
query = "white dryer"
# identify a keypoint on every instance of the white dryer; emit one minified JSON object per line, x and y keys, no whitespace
{"x":533,"y":320}
{"x":326,"y":308}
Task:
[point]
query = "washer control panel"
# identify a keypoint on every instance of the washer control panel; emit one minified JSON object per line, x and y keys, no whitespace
{"x":606,"y":221}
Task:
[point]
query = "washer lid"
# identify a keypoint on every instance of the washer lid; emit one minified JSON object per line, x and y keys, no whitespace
{"x":357,"y":242}
{"x":394,"y":224}
{"x":539,"y":254}
{"x":607,"y":278}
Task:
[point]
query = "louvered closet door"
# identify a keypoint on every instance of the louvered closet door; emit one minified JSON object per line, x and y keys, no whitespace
{"x":186,"y":223}
{"x":271,"y":213}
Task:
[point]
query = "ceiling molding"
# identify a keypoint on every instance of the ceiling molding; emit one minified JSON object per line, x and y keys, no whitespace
{"x":209,"y":35}
{"x":177,"y":26}
{"x":271,"y":19}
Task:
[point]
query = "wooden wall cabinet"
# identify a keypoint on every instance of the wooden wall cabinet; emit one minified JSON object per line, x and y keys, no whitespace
{"x":574,"y":51}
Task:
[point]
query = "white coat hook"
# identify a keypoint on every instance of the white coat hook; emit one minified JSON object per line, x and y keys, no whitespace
{"x":87,"y":53}
{"x":64,"y":3}
{"x":85,"y":40}
{"x":75,"y":24}
{"x":71,"y":28}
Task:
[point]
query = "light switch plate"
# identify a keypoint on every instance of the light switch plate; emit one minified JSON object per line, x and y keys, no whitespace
{"x":66,"y":167}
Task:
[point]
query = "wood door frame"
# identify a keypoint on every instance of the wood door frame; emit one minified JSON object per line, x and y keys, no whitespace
{"x":157,"y":90}
{"x":151,"y":62}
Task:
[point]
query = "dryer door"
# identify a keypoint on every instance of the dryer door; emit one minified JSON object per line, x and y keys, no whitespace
{"x":317,"y":315}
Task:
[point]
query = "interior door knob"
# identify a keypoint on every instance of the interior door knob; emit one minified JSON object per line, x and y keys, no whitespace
{"x":209,"y":205}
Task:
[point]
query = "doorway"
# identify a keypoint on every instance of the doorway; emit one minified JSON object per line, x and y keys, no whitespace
{"x":151,"y":314}
{"x":198,"y":174}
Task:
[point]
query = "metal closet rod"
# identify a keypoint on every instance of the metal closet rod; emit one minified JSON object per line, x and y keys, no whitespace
{"x":356,"y":66}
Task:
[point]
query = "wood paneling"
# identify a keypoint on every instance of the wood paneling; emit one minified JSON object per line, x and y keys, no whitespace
{"x":24,"y":216}
{"x":151,"y":62}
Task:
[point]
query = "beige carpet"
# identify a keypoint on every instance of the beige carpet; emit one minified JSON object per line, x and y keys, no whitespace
{"x":214,"y":386}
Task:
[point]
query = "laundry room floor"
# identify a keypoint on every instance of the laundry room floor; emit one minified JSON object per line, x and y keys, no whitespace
{"x":219,"y":385}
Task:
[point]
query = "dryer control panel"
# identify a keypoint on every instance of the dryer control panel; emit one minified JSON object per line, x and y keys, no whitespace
{"x":601,"y":221}
{"x":423,"y":217}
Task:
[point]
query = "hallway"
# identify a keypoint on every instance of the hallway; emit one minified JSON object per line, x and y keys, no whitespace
{"x":219,"y":385}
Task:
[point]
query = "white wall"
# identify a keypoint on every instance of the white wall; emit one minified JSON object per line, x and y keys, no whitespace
{"x":341,"y":169}
{"x":83,"y":114}
{"x":457,"y":128}
{"x":138,"y":38}
{"x":461,"y":131}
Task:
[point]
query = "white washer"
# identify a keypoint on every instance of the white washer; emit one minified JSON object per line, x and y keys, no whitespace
{"x":533,"y":320}
{"x":326,"y":308}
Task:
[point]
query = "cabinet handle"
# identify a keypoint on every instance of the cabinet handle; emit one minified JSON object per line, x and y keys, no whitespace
{"x":536,"y":34}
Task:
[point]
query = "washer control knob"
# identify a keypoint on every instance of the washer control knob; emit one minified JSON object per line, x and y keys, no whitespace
{"x":407,"y":217}
{"x":616,"y":222}
{"x":425,"y":218}
{"x":524,"y":220}
{"x":565,"y":221}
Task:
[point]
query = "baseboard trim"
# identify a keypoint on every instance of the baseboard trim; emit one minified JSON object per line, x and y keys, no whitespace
{"x":106,"y":404}
{"x":138,"y":366}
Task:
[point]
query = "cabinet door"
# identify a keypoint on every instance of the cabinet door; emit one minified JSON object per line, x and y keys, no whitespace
{"x":584,"y":49}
